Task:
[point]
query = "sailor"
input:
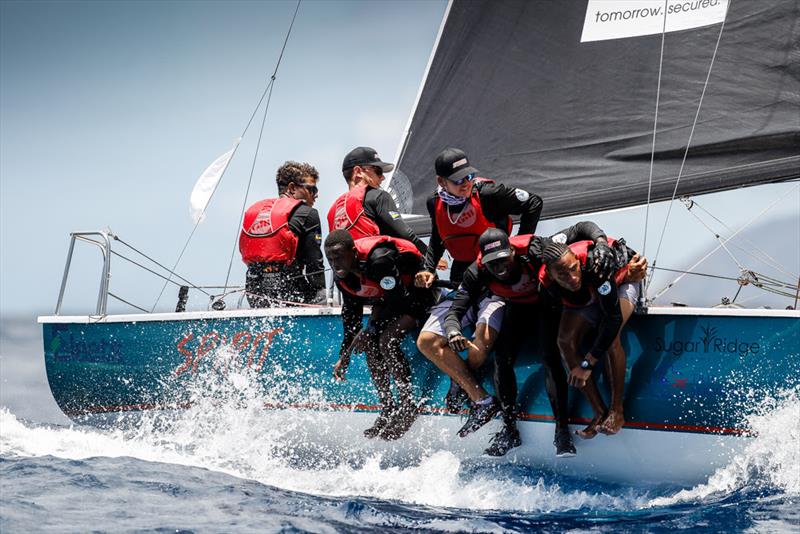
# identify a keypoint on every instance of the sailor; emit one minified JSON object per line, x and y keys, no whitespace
{"x":280,"y":242}
{"x":379,"y":270}
{"x":462,"y":208}
{"x":509,"y":269}
{"x":366,"y":210}
{"x":595,"y":308}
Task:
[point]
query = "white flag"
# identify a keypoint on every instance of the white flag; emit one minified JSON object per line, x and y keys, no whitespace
{"x":207,"y":183}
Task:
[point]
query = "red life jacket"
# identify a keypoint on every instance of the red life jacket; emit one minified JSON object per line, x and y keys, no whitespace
{"x":347,"y":213}
{"x":526,"y":289}
{"x":581,"y":250}
{"x":371,"y":289}
{"x":460,"y":237}
{"x":265,"y":235}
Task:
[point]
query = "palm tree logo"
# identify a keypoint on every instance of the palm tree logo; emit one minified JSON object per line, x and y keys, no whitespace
{"x":709,"y":335}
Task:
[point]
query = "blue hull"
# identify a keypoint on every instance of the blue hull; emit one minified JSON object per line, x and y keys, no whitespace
{"x":694,"y":373}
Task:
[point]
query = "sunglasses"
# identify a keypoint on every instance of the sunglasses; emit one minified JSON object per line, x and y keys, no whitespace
{"x":467,"y":178}
{"x":313,"y":189}
{"x":377,"y":170}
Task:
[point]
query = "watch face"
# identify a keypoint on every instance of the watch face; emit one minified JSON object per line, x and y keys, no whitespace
{"x":585,"y":364}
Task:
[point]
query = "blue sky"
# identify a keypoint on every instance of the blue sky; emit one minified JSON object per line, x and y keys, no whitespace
{"x":109,"y":111}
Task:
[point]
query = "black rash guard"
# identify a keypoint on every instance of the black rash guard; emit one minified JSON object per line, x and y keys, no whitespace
{"x":476,"y":280}
{"x":498,"y":201}
{"x":384,"y":260}
{"x":380,"y":207}
{"x":304,"y":223}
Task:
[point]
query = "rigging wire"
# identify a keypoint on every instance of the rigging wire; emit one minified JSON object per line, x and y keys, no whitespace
{"x":261,"y":133}
{"x":168,"y":279}
{"x":764,"y":257}
{"x":701,"y":260}
{"x":267,"y":89}
{"x":689,"y":142}
{"x":655,"y":126}
{"x":110,"y":294}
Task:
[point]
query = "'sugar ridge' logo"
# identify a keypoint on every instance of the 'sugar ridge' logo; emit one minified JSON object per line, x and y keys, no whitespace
{"x":709,"y":342}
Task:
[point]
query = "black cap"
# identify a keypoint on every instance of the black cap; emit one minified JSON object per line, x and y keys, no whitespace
{"x":365,"y":156}
{"x":494,"y":245}
{"x":452,"y":163}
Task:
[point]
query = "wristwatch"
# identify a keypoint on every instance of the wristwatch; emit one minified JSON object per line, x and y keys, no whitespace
{"x":586,"y":364}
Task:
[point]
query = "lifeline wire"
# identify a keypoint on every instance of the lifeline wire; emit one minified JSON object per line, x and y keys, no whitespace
{"x":689,"y":142}
{"x":261,"y":133}
{"x":247,"y":127}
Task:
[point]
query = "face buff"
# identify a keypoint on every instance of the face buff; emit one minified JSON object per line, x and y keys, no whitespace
{"x":447,"y":198}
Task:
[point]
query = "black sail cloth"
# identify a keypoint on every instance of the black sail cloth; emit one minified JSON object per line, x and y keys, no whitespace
{"x":512,"y":84}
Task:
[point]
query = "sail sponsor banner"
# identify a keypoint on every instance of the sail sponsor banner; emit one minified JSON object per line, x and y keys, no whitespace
{"x":207,"y":183}
{"x":619,"y":19}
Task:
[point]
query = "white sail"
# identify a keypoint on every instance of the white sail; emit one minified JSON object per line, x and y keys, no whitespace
{"x":207,"y":183}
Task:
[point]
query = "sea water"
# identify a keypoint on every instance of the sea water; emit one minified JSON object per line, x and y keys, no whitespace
{"x":227,"y":465}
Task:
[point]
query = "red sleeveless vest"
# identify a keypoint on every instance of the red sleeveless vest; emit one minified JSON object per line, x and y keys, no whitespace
{"x":460,"y":236}
{"x":371,"y":288}
{"x":265,"y":235}
{"x":526,"y":289}
{"x":347,"y":213}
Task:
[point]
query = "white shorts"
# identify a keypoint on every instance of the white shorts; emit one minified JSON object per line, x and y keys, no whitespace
{"x":490,"y":312}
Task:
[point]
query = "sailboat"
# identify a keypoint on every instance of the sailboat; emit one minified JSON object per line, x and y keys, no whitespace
{"x":593,"y":105}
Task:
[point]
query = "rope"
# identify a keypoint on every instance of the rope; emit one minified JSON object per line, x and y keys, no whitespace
{"x":655,"y":125}
{"x":261,"y":133}
{"x":247,"y":127}
{"x":691,"y":135}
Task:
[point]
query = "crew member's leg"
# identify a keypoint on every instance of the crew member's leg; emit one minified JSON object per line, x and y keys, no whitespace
{"x":254,"y":285}
{"x":380,"y":372}
{"x":399,"y":368}
{"x":573,"y":328}
{"x":617,"y":362}
{"x":509,"y":344}
{"x":556,"y":382}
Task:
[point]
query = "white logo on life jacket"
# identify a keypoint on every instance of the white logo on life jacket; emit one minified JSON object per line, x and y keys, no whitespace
{"x":467,"y":217}
{"x":605,"y":289}
{"x":340,"y":220}
{"x":262,"y":225}
{"x":388,"y":283}
{"x":522,"y":195}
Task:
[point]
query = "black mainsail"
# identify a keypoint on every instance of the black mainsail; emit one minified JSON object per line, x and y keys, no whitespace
{"x":512,"y":83}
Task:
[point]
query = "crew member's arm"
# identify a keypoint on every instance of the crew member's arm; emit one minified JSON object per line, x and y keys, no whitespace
{"x":435,"y":249}
{"x":380,"y":207}
{"x":468,"y":293}
{"x":603,"y":258}
{"x":305,"y":224}
{"x":611,"y":318}
{"x":352,"y":318}
{"x":499,"y":201}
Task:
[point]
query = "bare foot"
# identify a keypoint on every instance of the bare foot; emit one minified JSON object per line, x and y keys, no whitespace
{"x":591,"y":429}
{"x":612,"y":424}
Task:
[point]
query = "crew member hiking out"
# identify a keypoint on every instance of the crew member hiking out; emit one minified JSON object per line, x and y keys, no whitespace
{"x":462,"y":208}
{"x":280,"y":242}
{"x":379,"y":270}
{"x":595,"y":307}
{"x":366,"y":210}
{"x":509,"y":269}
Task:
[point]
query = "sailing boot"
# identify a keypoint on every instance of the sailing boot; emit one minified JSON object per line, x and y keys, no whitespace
{"x":480,"y":413}
{"x":504,"y":441}
{"x":401,"y":420}
{"x":456,"y":398}
{"x":565,"y":448}
{"x":383,"y":419}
